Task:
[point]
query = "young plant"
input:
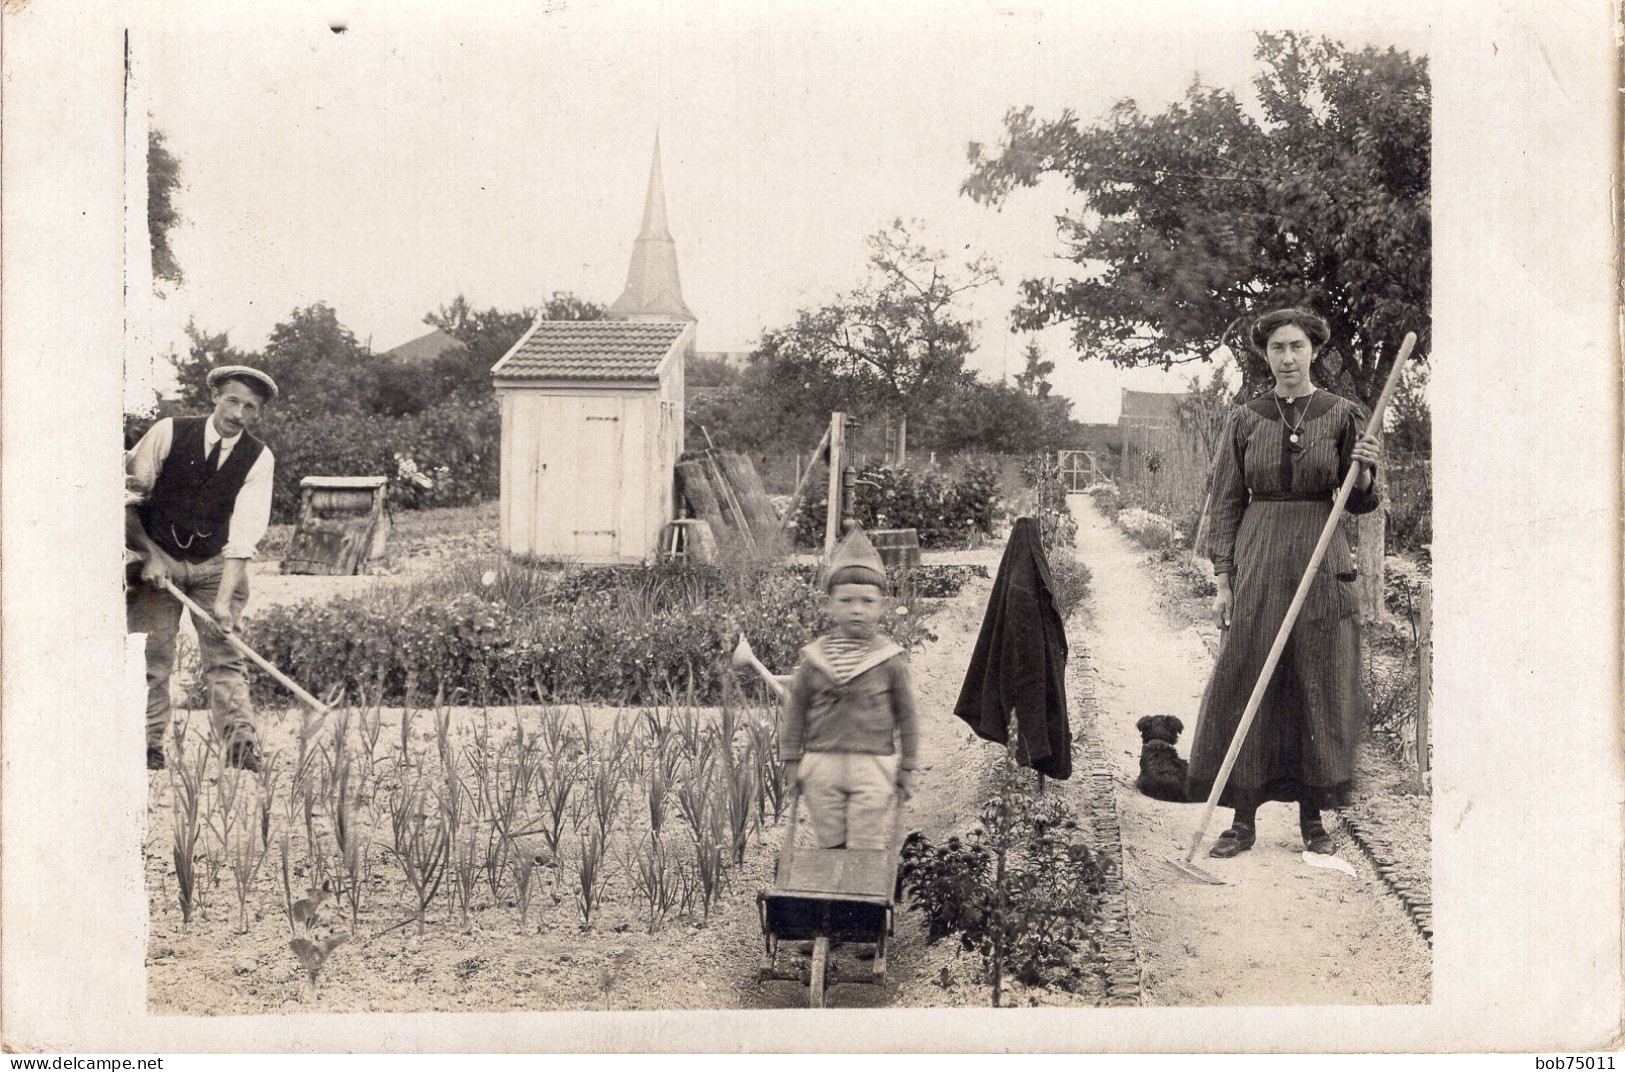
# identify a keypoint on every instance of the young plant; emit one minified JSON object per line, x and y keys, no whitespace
{"x":591,"y":875}
{"x":466,"y":860}
{"x":708,"y":874}
{"x":285,"y":854}
{"x":186,"y":780}
{"x":604,"y":794}
{"x":762,"y":749}
{"x":419,"y":847}
{"x":652,"y":876}
{"x":221,"y":818}
{"x":522,"y":865}
{"x":270,"y":773}
{"x":555,"y":784}
{"x":353,"y":848}
{"x":555,"y":736}
{"x":247,"y":857}
{"x":738,"y":791}
{"x":658,"y":789}
{"x":505,"y":793}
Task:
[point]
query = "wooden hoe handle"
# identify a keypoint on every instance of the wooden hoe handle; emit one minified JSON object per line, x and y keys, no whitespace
{"x":204,"y":618}
{"x":1296,"y":606}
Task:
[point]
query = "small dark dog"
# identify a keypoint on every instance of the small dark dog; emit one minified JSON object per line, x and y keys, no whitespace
{"x":1162,"y":772}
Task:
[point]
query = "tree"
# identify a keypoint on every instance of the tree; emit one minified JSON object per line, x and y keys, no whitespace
{"x":1201,"y":217}
{"x":486,"y":335}
{"x":895,"y":338}
{"x":1034,"y":379}
{"x":318,"y":364}
{"x":1410,"y":420}
{"x":1197,"y":218}
{"x":163,"y":182}
{"x":566,"y":306}
{"x":204,"y":351}
{"x":977,"y":416}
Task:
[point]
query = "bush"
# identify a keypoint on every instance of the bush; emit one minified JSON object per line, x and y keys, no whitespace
{"x":1038,"y":923}
{"x":1410,"y":504}
{"x":1151,"y":530}
{"x":1071,"y":579}
{"x":621,"y":635}
{"x":944,"y":512}
{"x":1106,"y":496}
{"x":940,"y":581}
{"x":1057,"y":526}
{"x":456,"y":445}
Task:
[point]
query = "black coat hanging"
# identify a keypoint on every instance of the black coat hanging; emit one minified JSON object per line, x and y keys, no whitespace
{"x":1019,"y":664}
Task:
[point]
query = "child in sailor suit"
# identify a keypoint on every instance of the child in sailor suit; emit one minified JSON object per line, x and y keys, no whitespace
{"x":849,"y":734}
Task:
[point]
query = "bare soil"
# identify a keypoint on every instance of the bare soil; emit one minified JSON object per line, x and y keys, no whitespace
{"x":1278,"y":932}
{"x":494,"y":964}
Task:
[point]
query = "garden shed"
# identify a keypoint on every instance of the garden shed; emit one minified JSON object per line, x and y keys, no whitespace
{"x":592,"y":413}
{"x":592,"y":426}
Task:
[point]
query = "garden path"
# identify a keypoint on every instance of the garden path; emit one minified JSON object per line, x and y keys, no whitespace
{"x":1279,"y":932}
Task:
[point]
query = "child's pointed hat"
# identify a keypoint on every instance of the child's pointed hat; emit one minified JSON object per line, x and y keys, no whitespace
{"x":854,"y":561}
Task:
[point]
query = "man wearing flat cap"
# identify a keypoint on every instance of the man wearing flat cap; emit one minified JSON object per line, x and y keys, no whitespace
{"x":199,"y":502}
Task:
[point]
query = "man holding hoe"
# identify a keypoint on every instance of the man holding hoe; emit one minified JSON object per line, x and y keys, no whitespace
{"x":201,"y":491}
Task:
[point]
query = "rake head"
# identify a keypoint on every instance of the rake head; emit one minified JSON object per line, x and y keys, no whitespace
{"x":1192,"y":873}
{"x":1187,"y":870}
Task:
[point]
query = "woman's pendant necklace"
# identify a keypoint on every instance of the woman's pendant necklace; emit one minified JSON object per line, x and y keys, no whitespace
{"x":1294,"y":432}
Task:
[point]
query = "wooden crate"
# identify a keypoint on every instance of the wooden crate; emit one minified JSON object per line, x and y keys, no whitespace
{"x":897,"y":547}
{"x":343,"y":527}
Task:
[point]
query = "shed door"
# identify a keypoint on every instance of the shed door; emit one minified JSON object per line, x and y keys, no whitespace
{"x":601,"y":479}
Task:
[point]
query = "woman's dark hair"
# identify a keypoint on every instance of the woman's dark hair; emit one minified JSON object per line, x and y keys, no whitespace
{"x":1312,"y":325}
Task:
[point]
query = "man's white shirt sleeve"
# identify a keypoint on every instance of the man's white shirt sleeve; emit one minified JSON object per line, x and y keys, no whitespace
{"x":252,"y":514}
{"x":144,"y":462}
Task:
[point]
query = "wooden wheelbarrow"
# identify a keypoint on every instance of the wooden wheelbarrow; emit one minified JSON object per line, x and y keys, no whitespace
{"x":826,"y":896}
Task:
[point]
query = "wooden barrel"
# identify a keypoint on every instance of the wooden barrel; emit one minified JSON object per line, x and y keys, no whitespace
{"x":899,"y":548}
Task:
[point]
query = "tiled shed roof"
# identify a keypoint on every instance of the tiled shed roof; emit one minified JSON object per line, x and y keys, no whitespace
{"x":614,"y":350}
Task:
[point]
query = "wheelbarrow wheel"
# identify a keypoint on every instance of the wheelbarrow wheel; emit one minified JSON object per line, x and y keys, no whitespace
{"x":818,"y":981}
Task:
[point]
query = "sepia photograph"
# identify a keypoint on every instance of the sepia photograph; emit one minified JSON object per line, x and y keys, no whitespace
{"x":776,"y":516}
{"x":698,"y":508}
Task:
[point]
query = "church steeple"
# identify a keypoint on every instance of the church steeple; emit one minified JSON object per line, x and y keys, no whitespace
{"x":653,"y":289}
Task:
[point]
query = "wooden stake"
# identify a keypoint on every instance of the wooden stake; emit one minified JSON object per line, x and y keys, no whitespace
{"x":805,"y":478}
{"x":837,"y":458}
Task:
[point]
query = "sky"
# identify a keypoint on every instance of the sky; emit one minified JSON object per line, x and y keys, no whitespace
{"x":503,"y":153}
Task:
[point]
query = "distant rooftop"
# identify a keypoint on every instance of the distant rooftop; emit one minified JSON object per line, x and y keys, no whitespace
{"x":1151,"y":407}
{"x":425,"y":348}
{"x":608,"y":350}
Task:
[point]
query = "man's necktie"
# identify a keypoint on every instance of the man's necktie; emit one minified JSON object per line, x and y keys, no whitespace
{"x":214,"y":457}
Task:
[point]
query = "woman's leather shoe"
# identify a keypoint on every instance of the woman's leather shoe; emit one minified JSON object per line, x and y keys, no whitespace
{"x":1233,"y":842}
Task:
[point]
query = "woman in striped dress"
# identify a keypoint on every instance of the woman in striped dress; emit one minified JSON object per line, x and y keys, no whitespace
{"x":1280,"y":462}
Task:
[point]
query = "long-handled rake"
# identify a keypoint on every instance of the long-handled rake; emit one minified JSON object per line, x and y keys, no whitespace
{"x":206,"y":620}
{"x":1185,"y":866}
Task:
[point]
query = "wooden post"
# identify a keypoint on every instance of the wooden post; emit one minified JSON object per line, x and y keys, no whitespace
{"x":1424,"y":691}
{"x":837,"y":458}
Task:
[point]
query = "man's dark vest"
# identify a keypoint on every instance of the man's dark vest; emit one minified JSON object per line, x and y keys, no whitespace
{"x":190,"y":507}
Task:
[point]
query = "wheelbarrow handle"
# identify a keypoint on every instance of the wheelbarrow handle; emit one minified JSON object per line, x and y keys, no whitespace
{"x":787,"y":853}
